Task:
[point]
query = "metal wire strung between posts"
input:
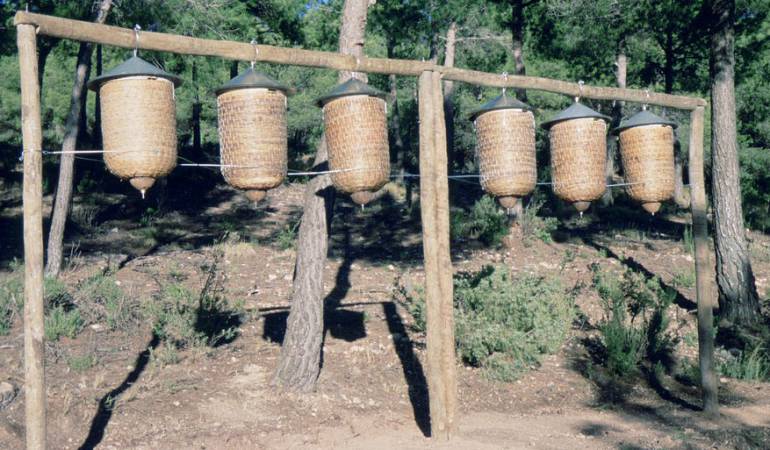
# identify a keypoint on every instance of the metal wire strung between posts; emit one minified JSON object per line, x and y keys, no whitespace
{"x":81,"y":152}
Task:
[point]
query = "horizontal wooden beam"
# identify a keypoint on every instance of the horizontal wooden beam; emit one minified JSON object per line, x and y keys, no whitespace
{"x":126,"y":38}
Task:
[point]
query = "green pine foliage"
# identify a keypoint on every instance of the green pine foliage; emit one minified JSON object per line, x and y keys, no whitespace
{"x":504,"y":324}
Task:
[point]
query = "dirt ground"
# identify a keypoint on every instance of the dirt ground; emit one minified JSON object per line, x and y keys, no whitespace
{"x":371,"y":392}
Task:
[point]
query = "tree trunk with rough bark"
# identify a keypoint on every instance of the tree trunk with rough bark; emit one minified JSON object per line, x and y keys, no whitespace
{"x":621,"y":71}
{"x":67,"y":161}
{"x":395,"y":124}
{"x":517,"y":42}
{"x":300,"y":361}
{"x":96,"y":135}
{"x":738,"y":298}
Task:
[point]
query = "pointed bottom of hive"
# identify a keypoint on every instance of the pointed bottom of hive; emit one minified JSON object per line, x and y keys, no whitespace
{"x":507,"y":202}
{"x":651,"y":207}
{"x":581,"y":206}
{"x":142,"y":183}
{"x":361,"y":197}
{"x":255,"y":195}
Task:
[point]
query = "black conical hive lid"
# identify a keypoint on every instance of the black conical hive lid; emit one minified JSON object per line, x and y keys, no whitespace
{"x":576,"y":111}
{"x":500,"y":102}
{"x":350,"y":87}
{"x":134,"y":66}
{"x":643,"y":117}
{"x":250,"y":78}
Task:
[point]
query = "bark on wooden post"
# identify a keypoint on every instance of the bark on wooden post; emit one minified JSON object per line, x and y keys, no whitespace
{"x":703,"y":272}
{"x":434,"y":207}
{"x":34,"y":349}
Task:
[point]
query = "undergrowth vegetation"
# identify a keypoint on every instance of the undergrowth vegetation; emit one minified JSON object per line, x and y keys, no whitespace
{"x":485,"y":222}
{"x":503,"y":324}
{"x":634,"y":332}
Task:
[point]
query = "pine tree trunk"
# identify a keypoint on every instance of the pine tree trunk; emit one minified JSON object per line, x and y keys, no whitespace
{"x":738,"y":298}
{"x":621,"y":72}
{"x":300,"y":361}
{"x":196,"y":113}
{"x":67,"y":162}
{"x":449,"y":107}
{"x":395,"y":123}
{"x":97,"y":132}
{"x":517,"y":33}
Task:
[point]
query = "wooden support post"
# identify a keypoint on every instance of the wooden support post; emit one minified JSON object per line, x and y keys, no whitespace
{"x":434,"y":207}
{"x":34,"y":348}
{"x":703,"y":272}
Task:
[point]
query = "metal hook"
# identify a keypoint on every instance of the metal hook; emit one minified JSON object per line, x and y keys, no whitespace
{"x":256,"y":52}
{"x":505,"y":80}
{"x":580,"y":90}
{"x":137,"y":29}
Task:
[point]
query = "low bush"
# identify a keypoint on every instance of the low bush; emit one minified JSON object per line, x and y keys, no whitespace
{"x":504,"y":324}
{"x":485,"y":222}
{"x":752,"y":364}
{"x":182,"y":319}
{"x":634,"y":329}
{"x":534,"y":226}
{"x":60,"y":321}
{"x":106,"y":301}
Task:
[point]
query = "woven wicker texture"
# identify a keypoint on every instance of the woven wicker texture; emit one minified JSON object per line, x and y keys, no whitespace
{"x":357,"y":139}
{"x":252,"y":132}
{"x":647,"y":153}
{"x":139,"y":124}
{"x":505,"y":148}
{"x":578,"y":158}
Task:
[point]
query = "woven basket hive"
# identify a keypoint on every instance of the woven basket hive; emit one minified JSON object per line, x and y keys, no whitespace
{"x":647,"y":153}
{"x":355,"y":125}
{"x":138,"y":121}
{"x":252,"y":133}
{"x":578,"y":155}
{"x":505,"y":148}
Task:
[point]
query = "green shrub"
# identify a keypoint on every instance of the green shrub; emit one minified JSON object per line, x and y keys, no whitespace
{"x":750,"y":365}
{"x":102,"y":293}
{"x":485,"y":222}
{"x":635,"y":324}
{"x":534,"y":226}
{"x":287,"y":237}
{"x":12,"y":296}
{"x":502,"y":324}
{"x":182,"y":319}
{"x":687,"y":242}
{"x":11,"y":301}
{"x":684,"y":279}
{"x":62,"y":322}
{"x":82,"y":363}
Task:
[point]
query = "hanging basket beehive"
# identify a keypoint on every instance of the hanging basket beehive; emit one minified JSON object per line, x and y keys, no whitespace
{"x":578,"y":154}
{"x":138,"y":121}
{"x":647,"y":153}
{"x":355,"y":125}
{"x":251,"y":109}
{"x":505,"y":148}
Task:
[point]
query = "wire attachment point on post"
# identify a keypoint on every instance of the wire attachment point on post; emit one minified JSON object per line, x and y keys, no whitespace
{"x":256,"y":52}
{"x":505,"y":81}
{"x":580,"y":90}
{"x":137,"y":29}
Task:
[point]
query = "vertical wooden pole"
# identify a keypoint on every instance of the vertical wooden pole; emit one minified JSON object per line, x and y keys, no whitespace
{"x":434,"y":206}
{"x":703,"y":271}
{"x":32,"y":137}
